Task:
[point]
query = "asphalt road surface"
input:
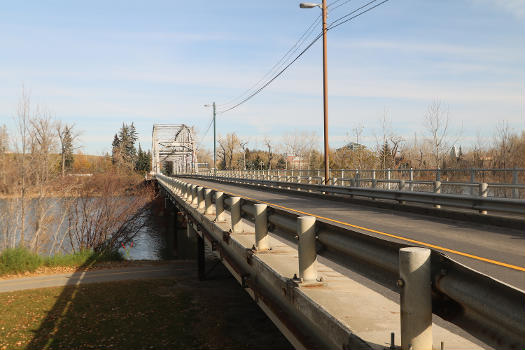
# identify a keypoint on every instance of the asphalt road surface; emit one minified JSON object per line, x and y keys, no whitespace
{"x":503,"y":246}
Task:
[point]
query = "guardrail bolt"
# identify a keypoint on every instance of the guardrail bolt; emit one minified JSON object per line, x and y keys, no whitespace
{"x":219,"y":207}
{"x":483,"y":192}
{"x":416,"y":299}
{"x":235,"y":211}
{"x":200,"y":197}
{"x":306,"y":248}
{"x":207,"y":201}
{"x":261,"y":227}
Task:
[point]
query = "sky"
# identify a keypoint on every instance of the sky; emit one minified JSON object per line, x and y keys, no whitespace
{"x":98,"y":64}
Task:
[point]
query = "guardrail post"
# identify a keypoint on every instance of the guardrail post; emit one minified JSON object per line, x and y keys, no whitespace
{"x":306,"y":248}
{"x":438,"y":174}
{"x":472,"y":180}
{"x":401,"y":188}
{"x":357,"y":176}
{"x":219,"y":207}
{"x":261,"y":227}
{"x":437,"y":189}
{"x":515,"y":191}
{"x":483,"y":192}
{"x":235,"y":214}
{"x":200,"y":197}
{"x":388,"y":178}
{"x":411,"y":185}
{"x":416,"y":298}
{"x":195,"y":196}
{"x":185,"y":191}
{"x":207,"y":201}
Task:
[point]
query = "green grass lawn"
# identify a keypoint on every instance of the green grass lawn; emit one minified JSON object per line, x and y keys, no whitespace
{"x":145,"y":314}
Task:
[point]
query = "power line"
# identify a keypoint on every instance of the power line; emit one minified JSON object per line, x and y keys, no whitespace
{"x":332,"y":25}
{"x":275,"y":77}
{"x":279,"y":64}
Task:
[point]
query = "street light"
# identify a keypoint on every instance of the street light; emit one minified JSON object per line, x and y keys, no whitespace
{"x":214,"y":142}
{"x":309,"y":5}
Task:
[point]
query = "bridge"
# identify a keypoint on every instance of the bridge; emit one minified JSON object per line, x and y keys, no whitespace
{"x":346,"y":266}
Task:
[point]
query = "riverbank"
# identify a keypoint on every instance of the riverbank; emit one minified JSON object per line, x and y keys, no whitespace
{"x":158,"y":313}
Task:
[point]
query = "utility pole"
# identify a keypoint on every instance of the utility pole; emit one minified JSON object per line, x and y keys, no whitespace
{"x":214,"y":143}
{"x":325,"y":99}
{"x":322,"y":6}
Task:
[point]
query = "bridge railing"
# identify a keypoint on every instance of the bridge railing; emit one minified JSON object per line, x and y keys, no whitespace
{"x":485,"y":307}
{"x":501,"y":183}
{"x":481,"y":203}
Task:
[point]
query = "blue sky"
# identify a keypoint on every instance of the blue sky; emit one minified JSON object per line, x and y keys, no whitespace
{"x":100,"y":63}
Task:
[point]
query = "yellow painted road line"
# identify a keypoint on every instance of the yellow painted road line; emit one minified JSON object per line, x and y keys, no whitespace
{"x":475,"y":257}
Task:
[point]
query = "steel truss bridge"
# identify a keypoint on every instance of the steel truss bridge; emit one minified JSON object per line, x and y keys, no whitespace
{"x":173,"y":143}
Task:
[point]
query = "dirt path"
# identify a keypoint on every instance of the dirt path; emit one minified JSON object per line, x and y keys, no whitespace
{"x":171,"y":269}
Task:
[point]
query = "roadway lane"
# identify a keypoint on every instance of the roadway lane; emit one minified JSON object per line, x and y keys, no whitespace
{"x":500,"y":244}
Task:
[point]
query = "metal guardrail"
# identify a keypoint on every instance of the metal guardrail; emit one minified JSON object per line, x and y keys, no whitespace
{"x":453,"y":180}
{"x":481,"y":204}
{"x":487,"y":308}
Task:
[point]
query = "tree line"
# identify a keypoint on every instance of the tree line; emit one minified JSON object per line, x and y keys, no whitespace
{"x":436,"y":147}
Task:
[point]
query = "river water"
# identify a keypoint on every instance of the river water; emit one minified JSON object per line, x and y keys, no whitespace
{"x":148,"y":244}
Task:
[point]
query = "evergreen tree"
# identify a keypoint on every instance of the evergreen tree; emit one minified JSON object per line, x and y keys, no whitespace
{"x":115,"y":151}
{"x":143,"y":163}
{"x":67,"y":149}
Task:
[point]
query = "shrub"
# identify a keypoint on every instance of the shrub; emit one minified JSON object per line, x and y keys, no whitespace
{"x":18,"y":260}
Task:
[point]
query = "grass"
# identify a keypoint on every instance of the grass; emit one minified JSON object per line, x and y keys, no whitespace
{"x":143,"y":314}
{"x":20,"y":260}
{"x":136,"y":314}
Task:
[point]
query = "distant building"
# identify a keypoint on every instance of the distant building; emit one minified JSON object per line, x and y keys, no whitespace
{"x":294,"y":162}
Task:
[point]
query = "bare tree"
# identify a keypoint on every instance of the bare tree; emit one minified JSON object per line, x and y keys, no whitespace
{"x":23,"y":120}
{"x":268,"y":144}
{"x":436,"y":124}
{"x":229,"y":145}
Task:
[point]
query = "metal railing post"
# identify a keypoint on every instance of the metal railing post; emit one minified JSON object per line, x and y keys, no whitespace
{"x":483,"y":192}
{"x":235,"y":213}
{"x":261,"y":227}
{"x":416,"y":298}
{"x":515,"y":191}
{"x":306,"y":248}
{"x":401,"y":188}
{"x":411,"y":177}
{"x":472,"y":180}
{"x":207,"y":201}
{"x":388,"y":178}
{"x":437,"y":189}
{"x":219,"y":207}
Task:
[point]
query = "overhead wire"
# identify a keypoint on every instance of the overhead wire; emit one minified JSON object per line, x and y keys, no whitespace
{"x":279,"y":64}
{"x":339,"y":21}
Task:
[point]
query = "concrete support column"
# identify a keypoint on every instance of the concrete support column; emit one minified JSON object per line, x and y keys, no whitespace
{"x":219,"y":207}
{"x":261,"y":227}
{"x":207,"y":201}
{"x":200,"y":197}
{"x":235,"y":213}
{"x":437,"y":189}
{"x":306,"y":248}
{"x":483,"y":192}
{"x":416,"y":299}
